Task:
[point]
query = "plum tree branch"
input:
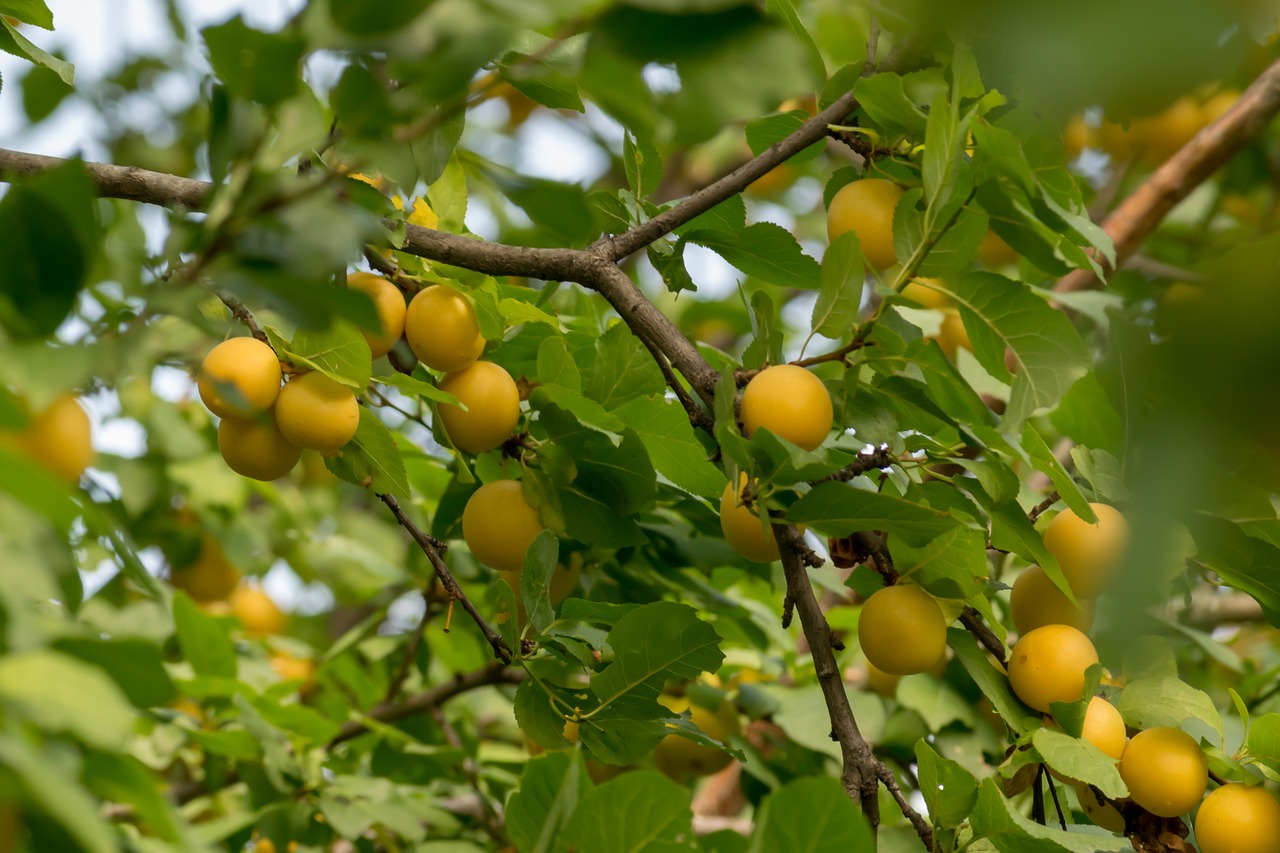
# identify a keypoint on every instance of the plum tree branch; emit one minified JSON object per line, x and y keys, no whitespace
{"x":432,"y":547}
{"x":1141,"y":213}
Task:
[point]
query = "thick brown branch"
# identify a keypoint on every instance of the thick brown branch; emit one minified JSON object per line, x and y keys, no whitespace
{"x":432,"y":547}
{"x":126,"y":182}
{"x":1140,"y":214}
{"x":813,"y":130}
{"x":419,"y":703}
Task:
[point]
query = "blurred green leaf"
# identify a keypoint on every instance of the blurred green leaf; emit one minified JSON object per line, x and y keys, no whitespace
{"x":814,"y":815}
{"x":838,"y":509}
{"x":260,"y":66}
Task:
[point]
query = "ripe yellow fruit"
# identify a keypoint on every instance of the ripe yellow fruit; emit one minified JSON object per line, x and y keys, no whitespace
{"x":902,"y":630}
{"x":210,"y":576}
{"x":1101,"y":813}
{"x":682,"y":759}
{"x":1238,"y":818}
{"x":1076,"y":136}
{"x":257,"y":612}
{"x":879,"y":681}
{"x":927,"y":292}
{"x":866,"y":208}
{"x":1036,"y":602}
{"x":264,"y":845}
{"x":390,"y":305}
{"x":256,"y":448}
{"x":1165,"y":770}
{"x":1166,"y":132}
{"x":742,"y":528}
{"x":499,"y":525}
{"x":61,"y":438}
{"x":1089,"y":554}
{"x":1048,"y":665}
{"x":1104,"y":727}
{"x":493,"y":407}
{"x":317,"y":413}
{"x":239,"y":378}
{"x":441,"y":328}
{"x":790,"y":402}
{"x":1216,"y":106}
{"x":952,"y":335}
{"x":290,"y":668}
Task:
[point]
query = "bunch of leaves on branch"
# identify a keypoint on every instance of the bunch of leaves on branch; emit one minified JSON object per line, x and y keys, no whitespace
{"x":863,"y":445}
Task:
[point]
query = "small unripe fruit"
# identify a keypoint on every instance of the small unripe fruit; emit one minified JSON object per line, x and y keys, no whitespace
{"x":682,"y":759}
{"x":61,"y":438}
{"x":390,"y":305}
{"x":1048,"y":665}
{"x":902,"y":630}
{"x":257,"y":612}
{"x":790,"y":402}
{"x":1036,"y":602}
{"x":1104,"y":727}
{"x":317,"y":413}
{"x":256,"y":449}
{"x":1165,"y":770}
{"x":493,"y":407}
{"x":742,"y":528}
{"x":499,"y":525}
{"x":239,"y":378}
{"x":210,"y":576}
{"x":1238,"y":818}
{"x":1089,"y":554}
{"x":441,"y":328}
{"x":866,"y":208}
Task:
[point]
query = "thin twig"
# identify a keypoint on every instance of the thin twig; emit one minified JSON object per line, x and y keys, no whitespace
{"x":1039,"y":509}
{"x":241,"y":313}
{"x":433,"y":547}
{"x":698,"y":416}
{"x":1143,"y":210}
{"x":971,"y":619}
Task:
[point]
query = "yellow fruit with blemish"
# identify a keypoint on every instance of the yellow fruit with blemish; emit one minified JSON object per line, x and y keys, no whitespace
{"x":1048,"y":665}
{"x":239,"y":378}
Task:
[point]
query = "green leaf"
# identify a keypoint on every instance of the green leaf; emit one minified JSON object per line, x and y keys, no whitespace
{"x":623,"y":369}
{"x":586,"y":411}
{"x":14,"y":42}
{"x":124,"y":779}
{"x":432,"y":154}
{"x":1080,"y":760}
{"x":1045,"y":462}
{"x":1086,"y":414}
{"x":651,"y":644}
{"x":535,"y":579}
{"x":935,"y":701}
{"x":953,"y":565}
{"x":136,"y":666}
{"x":205,"y":643}
{"x":62,"y":799}
{"x":551,"y":787}
{"x":1000,"y":823}
{"x":543,"y":82}
{"x":419,"y":388}
{"x":840,"y":291}
{"x":814,"y":815}
{"x":52,"y":239}
{"x":56,"y":690}
{"x":884,"y":99}
{"x":339,"y":352}
{"x":764,"y":250}
{"x":673,"y":447}
{"x":949,"y":790}
{"x":668,"y":260}
{"x":993,"y":683}
{"x":1243,"y":562}
{"x":771,"y":129}
{"x":635,"y":812}
{"x":619,"y":741}
{"x":643,"y":165}
{"x":766,"y":329}
{"x":371,"y":459}
{"x":559,"y":207}
{"x":37,"y":488}
{"x":838,"y":509}
{"x":556,"y":366}
{"x":1264,"y":740}
{"x":34,"y":12}
{"x":260,"y":66}
{"x":1001,"y":314}
{"x":1166,"y":700}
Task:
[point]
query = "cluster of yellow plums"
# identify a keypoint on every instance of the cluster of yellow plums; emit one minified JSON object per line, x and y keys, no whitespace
{"x":1152,"y":138}
{"x":265,"y":426}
